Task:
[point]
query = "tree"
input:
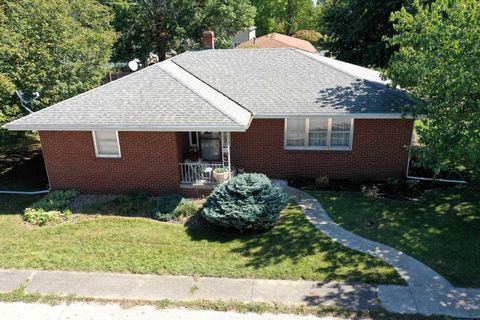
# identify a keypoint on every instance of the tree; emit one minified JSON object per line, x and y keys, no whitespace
{"x":311,"y":36}
{"x":437,"y":60}
{"x":356,"y":27}
{"x":172,"y":26}
{"x":58,"y":48}
{"x":285,"y":16}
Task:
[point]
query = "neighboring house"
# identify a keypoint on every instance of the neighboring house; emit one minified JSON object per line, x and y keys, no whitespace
{"x":244,"y":35}
{"x":278,"y":40}
{"x":281,"y":112}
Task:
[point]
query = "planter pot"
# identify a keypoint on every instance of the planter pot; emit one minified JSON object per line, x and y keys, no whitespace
{"x":220,"y":177}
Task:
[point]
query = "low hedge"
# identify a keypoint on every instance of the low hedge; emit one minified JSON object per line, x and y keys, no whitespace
{"x":53,"y":208}
{"x":172,"y":207}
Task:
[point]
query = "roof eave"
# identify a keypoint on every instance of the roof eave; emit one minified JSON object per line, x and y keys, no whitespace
{"x":393,"y":115}
{"x":56,"y":127}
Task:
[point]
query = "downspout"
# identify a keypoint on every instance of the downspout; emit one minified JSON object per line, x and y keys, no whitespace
{"x":423,"y":178}
{"x":429,"y":179}
{"x":24,"y":192}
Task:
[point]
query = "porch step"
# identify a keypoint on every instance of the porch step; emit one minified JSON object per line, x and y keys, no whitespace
{"x":199,"y":185}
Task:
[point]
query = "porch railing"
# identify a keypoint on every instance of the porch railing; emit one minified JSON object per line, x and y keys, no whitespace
{"x":198,"y":172}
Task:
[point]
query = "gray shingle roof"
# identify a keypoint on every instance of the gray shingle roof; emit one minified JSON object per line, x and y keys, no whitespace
{"x":219,"y":90}
{"x":150,"y":99}
{"x":288,"y":81}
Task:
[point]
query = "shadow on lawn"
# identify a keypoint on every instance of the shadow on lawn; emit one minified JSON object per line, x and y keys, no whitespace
{"x":28,"y":176}
{"x":441,"y":230}
{"x":292,"y":240}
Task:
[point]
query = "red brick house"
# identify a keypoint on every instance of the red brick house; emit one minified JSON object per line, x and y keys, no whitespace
{"x":280,"y":112}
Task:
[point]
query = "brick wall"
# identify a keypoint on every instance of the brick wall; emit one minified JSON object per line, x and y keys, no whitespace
{"x":379,"y":151}
{"x":149,"y":161}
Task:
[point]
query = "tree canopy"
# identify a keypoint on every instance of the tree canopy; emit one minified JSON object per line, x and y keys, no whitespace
{"x":437,"y":60}
{"x":173,"y":26}
{"x":356,"y":29}
{"x":285,"y":16}
{"x":312,"y":36}
{"x":58,"y":48}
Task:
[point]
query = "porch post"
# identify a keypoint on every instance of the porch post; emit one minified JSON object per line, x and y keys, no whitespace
{"x":226,"y":151}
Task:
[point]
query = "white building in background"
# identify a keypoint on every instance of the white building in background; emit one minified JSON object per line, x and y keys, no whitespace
{"x":244,"y":35}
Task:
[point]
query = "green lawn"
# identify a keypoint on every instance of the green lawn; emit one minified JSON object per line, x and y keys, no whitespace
{"x":291,"y":250}
{"x":442,"y":230}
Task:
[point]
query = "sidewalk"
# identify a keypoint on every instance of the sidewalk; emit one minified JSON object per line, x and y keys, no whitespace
{"x":82,"y":311}
{"x":185,"y":288}
{"x":427,"y":291}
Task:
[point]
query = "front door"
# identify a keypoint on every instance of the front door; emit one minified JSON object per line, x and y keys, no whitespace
{"x":211,"y":146}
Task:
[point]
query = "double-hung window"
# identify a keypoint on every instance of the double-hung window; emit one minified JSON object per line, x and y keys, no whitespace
{"x":319,"y":133}
{"x":106,"y":144}
{"x":295,"y":133}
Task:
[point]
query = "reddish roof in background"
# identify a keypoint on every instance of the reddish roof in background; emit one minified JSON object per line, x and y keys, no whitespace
{"x":278,"y":40}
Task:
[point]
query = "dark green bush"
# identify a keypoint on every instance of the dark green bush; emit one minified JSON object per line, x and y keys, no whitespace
{"x":167,"y":204}
{"x":246,"y":202}
{"x":50,"y":209}
{"x":301,"y":181}
{"x":56,"y":200}
{"x":173,"y":206}
{"x":135,"y":202}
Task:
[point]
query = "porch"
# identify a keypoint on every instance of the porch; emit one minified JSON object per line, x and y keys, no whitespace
{"x":207,"y":162}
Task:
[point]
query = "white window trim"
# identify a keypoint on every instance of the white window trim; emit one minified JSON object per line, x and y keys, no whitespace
{"x":190,"y":139}
{"x":97,"y":155}
{"x":329,"y":136}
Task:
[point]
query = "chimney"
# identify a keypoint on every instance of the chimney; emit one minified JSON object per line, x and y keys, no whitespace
{"x":208,"y":40}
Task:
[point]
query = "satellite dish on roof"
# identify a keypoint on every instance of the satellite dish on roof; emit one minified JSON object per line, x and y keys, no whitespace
{"x":133,"y":65}
{"x":24,"y":99}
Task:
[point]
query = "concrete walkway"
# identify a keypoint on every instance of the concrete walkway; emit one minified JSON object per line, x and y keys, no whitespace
{"x":82,"y":311}
{"x":184,"y":288}
{"x":427,"y":291}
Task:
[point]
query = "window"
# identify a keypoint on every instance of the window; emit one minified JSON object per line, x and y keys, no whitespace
{"x":210,"y":145}
{"x":295,"y":133}
{"x":340,"y":133}
{"x":320,"y":133}
{"x":106,"y":144}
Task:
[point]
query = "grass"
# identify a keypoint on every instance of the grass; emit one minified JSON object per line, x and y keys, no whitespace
{"x":293,"y":249}
{"x":441,"y":230}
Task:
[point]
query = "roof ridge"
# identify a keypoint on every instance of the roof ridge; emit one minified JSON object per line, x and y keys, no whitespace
{"x":203,"y":97}
{"x":382,"y":84}
{"x":217,"y":90}
{"x":304,"y":53}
